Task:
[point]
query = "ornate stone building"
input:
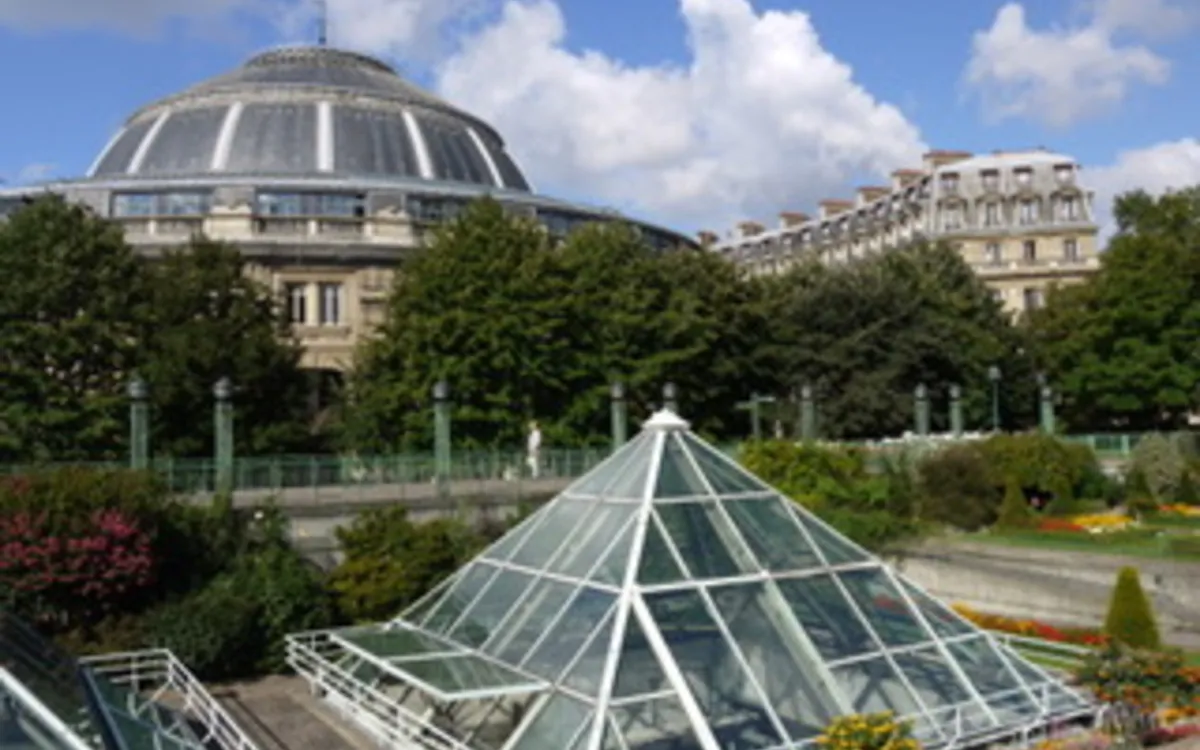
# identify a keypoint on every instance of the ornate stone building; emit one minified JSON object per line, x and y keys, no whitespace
{"x":325,"y":167}
{"x":1022,"y":219}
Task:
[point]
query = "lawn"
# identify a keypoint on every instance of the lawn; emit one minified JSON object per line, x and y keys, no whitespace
{"x":1155,"y":539}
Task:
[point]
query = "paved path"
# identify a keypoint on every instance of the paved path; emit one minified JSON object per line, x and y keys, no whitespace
{"x":336,"y":498}
{"x":279,"y":713}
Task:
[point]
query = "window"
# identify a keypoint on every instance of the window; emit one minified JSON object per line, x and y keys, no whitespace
{"x":952,"y":217}
{"x":1068,"y":208}
{"x":330,"y":301}
{"x":296,"y":296}
{"x":1024,"y":176}
{"x":949,"y":182}
{"x":1029,"y":251}
{"x":993,"y":253}
{"x":189,"y":203}
{"x":1064,"y":173}
{"x":340,"y":205}
{"x":1071,"y":249}
{"x":1033,"y":298}
{"x":991,"y":180}
{"x":998,"y":295}
{"x":1028,"y":212}
{"x":349,"y":205}
{"x":184,"y":204}
{"x":432,"y":209}
{"x":991,"y":215}
{"x":279,"y":204}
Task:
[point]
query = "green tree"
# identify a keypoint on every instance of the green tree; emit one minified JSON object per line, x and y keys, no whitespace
{"x":1186,"y":493}
{"x":70,"y":295}
{"x":1130,"y":617}
{"x":866,"y":334}
{"x":1121,"y":347}
{"x":1015,"y":513}
{"x":207,"y":319}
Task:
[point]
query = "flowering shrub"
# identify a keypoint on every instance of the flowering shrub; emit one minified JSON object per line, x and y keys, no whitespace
{"x":1077,"y":741}
{"x":1032,"y":628}
{"x":1148,"y":681}
{"x":1060,"y":524}
{"x":878,"y":731}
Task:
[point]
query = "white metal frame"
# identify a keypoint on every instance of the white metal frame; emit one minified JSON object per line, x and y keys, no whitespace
{"x":27,"y":703}
{"x":160,"y":674}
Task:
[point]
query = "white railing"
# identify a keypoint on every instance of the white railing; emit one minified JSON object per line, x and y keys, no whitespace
{"x":1064,"y":655}
{"x":158,"y":672}
{"x":28,"y":703}
{"x":314,"y":656}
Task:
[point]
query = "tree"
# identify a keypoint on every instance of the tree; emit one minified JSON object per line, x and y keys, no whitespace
{"x":71,"y":294}
{"x":866,"y":334}
{"x":1015,"y":513}
{"x":1130,"y":617}
{"x":1121,"y":347}
{"x":206,"y":319}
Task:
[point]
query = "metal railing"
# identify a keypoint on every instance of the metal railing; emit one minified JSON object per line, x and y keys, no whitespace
{"x":1054,"y":654}
{"x":34,"y":718}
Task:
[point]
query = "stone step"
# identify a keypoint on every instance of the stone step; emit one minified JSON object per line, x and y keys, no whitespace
{"x":278,"y":713}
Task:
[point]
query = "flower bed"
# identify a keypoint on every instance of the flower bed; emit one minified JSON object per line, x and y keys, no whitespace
{"x":1032,"y":628}
{"x":1192,"y":511}
{"x":1091,"y":523}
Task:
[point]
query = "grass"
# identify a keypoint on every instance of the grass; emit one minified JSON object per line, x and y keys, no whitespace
{"x":1143,"y":542}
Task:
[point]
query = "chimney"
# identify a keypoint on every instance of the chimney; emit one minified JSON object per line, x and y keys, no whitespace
{"x":750,"y":228}
{"x":870,"y":194}
{"x":902,"y":178}
{"x":940,"y":158}
{"x":834,"y":206}
{"x":707,"y":238}
{"x":790,"y":219}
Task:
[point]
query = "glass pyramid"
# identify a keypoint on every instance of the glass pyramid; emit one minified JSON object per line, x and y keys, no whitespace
{"x":669,"y":600}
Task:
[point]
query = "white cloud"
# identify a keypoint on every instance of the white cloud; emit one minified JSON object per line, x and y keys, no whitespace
{"x":761,"y":117}
{"x":131,"y":16}
{"x":1059,"y":76}
{"x":1150,"y":18}
{"x":411,"y":30}
{"x":1156,"y":169}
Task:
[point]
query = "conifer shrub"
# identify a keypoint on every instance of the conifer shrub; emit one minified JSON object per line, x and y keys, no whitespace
{"x":1130,"y":617}
{"x":1186,"y":493}
{"x":1015,"y":512}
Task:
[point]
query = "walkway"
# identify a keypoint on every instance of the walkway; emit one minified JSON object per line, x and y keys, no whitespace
{"x":333,"y":498}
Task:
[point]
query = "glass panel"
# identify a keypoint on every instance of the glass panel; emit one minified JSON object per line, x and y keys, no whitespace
{"x":942,"y":691}
{"x":638,"y":671}
{"x":561,"y":518}
{"x":583,"y":738}
{"x":772,"y":533}
{"x":631,"y":484}
{"x":987,"y":671}
{"x":452,"y":675}
{"x":736,"y":711}
{"x":583,"y":616}
{"x":393,"y":643}
{"x":704,"y":539}
{"x":873,"y":686}
{"x":458,"y":597}
{"x":185,"y":142}
{"x":660,"y":724}
{"x":676,"y":476}
{"x":757,"y":619}
{"x":941,"y":618}
{"x":885,"y":610}
{"x":275,"y":138}
{"x":582,"y":551}
{"x":498,"y":599}
{"x":588,"y":671}
{"x":507,"y":544}
{"x":118,"y":157}
{"x":555,"y":725}
{"x":529,"y":621}
{"x":657,"y":564}
{"x":726,"y":477}
{"x":612,"y":739}
{"x":837,"y":549}
{"x":831,"y":624}
{"x":598,"y":480}
{"x":612,"y":570}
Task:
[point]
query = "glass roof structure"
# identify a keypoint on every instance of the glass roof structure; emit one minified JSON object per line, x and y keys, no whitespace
{"x":670,"y":600}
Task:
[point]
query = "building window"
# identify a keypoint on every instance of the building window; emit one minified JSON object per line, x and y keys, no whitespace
{"x":991,"y":214}
{"x":330,"y":301}
{"x":1071,"y":250}
{"x":1068,"y":208}
{"x":433,"y":209}
{"x":188,"y":203}
{"x":998,"y":295}
{"x":348,"y":205}
{"x":296,"y":296}
{"x":1029,"y":251}
{"x":1033,"y":298}
{"x":950,"y":182}
{"x":279,"y":204}
{"x":1064,"y":173}
{"x":1028,"y":212}
{"x":993,"y":253}
{"x":991,"y":180}
{"x":952,"y":217}
{"x":1024,"y":176}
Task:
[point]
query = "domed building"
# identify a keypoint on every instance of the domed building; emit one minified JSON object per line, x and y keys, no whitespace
{"x":325,"y":167}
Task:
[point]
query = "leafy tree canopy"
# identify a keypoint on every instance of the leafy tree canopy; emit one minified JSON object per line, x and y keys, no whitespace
{"x":1121,"y":347}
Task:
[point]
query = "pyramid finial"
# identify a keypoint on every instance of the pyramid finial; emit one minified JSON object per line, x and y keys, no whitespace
{"x":665,"y":419}
{"x":322,"y":22}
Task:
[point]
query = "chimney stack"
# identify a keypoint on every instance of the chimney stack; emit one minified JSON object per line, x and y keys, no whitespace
{"x":750,"y":228}
{"x":940,"y":158}
{"x":870,"y":194}
{"x":791,"y":219}
{"x":833,"y":206}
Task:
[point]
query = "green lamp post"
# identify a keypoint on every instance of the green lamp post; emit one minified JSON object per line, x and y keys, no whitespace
{"x":994,"y":376}
{"x":139,"y":424}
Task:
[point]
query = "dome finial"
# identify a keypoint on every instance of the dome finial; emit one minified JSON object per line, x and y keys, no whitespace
{"x":322,"y":23}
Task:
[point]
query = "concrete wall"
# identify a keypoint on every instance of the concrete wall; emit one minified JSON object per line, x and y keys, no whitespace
{"x":1064,"y":588}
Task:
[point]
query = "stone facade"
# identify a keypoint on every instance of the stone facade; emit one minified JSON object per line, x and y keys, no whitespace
{"x":1023,"y":220}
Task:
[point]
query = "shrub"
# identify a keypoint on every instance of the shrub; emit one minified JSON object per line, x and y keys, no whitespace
{"x":1042,"y":463}
{"x":215,"y":631}
{"x":1161,"y":462}
{"x":1144,"y":680}
{"x":1185,"y":491}
{"x":957,"y":490}
{"x":880,"y":731}
{"x":1130,"y":617}
{"x":1015,"y":512}
{"x":390,"y":561}
{"x":1139,"y":498}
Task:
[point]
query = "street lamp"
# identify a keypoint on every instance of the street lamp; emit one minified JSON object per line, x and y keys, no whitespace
{"x":994,"y":376}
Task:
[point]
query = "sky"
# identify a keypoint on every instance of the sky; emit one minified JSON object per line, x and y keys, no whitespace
{"x":692,"y":113}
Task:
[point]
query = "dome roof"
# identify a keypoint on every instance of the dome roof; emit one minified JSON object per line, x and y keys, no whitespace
{"x":309,"y":111}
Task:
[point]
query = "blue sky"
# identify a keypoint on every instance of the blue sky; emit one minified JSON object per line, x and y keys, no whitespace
{"x":693,"y":112}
